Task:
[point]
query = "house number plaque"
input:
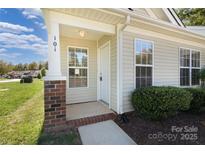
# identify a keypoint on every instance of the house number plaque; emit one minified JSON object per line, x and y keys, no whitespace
{"x":54,"y":43}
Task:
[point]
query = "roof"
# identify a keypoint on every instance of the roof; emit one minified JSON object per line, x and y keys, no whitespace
{"x":197,"y":29}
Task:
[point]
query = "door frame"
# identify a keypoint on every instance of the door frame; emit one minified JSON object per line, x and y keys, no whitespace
{"x":98,"y":73}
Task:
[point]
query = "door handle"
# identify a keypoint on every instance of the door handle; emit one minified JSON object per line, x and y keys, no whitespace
{"x":101,"y":78}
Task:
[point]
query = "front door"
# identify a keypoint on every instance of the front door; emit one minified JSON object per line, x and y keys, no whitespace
{"x":104,"y":73}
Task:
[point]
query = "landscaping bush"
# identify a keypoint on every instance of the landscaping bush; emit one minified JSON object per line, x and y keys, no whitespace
{"x":160,"y":102}
{"x":202,"y":77}
{"x":198,"y":102}
{"x":27,"y":79}
{"x":39,"y":76}
{"x":43,"y":72}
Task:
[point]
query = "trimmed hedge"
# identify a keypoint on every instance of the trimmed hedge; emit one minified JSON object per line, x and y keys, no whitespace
{"x":27,"y":79}
{"x":198,"y":101}
{"x":158,"y":103}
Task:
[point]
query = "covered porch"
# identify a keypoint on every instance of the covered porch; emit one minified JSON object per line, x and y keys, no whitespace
{"x":83,"y":54}
{"x":84,"y":110}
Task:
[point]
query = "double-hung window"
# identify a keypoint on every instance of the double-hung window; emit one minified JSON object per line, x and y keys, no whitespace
{"x":189,"y":67}
{"x":143,"y":63}
{"x":78,"y":67}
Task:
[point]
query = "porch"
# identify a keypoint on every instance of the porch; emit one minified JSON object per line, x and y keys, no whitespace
{"x":88,"y":109}
{"x":83,"y":54}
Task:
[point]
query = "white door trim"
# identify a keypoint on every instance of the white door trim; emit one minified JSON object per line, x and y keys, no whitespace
{"x":98,"y":73}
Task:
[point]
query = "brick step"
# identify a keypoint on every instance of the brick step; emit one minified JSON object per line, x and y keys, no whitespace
{"x":91,"y":120}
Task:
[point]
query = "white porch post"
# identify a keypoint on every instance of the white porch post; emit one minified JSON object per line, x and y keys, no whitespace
{"x":54,"y":63}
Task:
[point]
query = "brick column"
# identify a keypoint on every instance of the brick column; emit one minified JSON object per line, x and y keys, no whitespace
{"x":55,"y":105}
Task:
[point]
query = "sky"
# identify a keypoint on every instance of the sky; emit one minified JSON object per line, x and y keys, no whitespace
{"x":23,"y":36}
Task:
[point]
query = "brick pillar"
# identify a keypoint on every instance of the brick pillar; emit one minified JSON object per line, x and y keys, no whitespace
{"x":55,"y":105}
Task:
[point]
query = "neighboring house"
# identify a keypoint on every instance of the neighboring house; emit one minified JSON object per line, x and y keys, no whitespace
{"x":104,"y":54}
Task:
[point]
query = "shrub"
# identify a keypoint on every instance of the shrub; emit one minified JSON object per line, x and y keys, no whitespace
{"x":198,"y":101}
{"x":43,"y":72}
{"x":39,"y":76}
{"x":27,"y":79}
{"x":202,"y":77}
{"x":160,"y":102}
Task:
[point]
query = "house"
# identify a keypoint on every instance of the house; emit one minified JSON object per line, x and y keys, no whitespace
{"x":97,"y":57}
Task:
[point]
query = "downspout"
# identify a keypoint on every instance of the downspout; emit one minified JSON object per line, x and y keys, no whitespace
{"x":120,"y":29}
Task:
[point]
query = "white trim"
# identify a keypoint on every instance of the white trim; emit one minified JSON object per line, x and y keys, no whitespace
{"x":149,"y":11}
{"x":77,"y":67}
{"x":109,"y":12}
{"x":109,"y":72}
{"x":144,"y":32}
{"x":170,"y":17}
{"x":98,"y":71}
{"x":54,"y":78}
{"x":176,"y":17}
{"x":75,"y":21}
{"x":143,"y":65}
{"x":161,"y":24}
{"x":119,"y":74}
{"x":190,"y":65}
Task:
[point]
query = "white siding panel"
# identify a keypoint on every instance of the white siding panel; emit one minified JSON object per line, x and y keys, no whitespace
{"x":166,"y":64}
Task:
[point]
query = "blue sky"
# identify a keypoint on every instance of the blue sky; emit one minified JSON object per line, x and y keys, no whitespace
{"x":23,"y":36}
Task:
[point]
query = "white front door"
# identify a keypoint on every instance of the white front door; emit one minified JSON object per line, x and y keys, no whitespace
{"x":104,"y":73}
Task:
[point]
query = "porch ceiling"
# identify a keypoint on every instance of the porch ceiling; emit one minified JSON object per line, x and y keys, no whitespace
{"x":73,"y":32}
{"x":100,"y":15}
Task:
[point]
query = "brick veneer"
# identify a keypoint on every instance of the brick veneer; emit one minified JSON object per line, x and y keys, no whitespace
{"x":55,"y":105}
{"x":90,"y":120}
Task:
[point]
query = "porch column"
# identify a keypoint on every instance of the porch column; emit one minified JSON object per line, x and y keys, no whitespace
{"x":54,"y":84}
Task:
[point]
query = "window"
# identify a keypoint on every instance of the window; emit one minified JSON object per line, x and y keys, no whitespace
{"x":143,"y":63}
{"x":189,"y":67}
{"x":78,"y":67}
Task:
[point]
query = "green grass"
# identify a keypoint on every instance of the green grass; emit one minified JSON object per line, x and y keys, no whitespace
{"x":1,"y":79}
{"x":16,"y":95}
{"x":22,"y":115}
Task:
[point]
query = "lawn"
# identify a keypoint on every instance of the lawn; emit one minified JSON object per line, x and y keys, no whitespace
{"x":1,"y":79}
{"x":22,"y":113}
{"x":16,"y":94}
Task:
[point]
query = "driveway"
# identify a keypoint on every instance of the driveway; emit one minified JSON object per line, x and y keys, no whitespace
{"x":104,"y":133}
{"x":10,"y":80}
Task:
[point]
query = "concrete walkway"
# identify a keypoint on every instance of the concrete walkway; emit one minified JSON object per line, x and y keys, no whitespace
{"x":104,"y":133}
{"x":10,"y":80}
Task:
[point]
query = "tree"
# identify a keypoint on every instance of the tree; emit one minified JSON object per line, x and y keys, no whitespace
{"x":40,"y":66}
{"x":5,"y":67}
{"x":25,"y":66}
{"x":192,"y":16}
{"x":33,"y":66}
{"x":18,"y":67}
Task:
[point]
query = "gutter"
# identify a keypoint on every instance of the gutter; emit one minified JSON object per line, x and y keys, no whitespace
{"x":120,"y":29}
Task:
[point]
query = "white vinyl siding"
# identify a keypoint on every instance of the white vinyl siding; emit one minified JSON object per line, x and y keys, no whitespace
{"x":165,"y":65}
{"x":84,"y":94}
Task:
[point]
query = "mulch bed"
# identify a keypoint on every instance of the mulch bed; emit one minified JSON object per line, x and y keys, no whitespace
{"x":185,"y":128}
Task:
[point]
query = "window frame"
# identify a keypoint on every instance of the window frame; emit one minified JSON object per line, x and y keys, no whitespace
{"x":190,"y":66}
{"x":68,"y":67}
{"x":143,"y":65}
